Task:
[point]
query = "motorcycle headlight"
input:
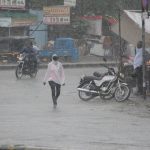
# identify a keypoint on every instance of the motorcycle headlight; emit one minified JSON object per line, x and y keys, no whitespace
{"x":20,"y":58}
{"x":121,"y":75}
{"x":82,"y":77}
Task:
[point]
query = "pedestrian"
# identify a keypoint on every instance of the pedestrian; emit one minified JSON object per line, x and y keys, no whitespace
{"x":55,"y":77}
{"x":138,"y":63}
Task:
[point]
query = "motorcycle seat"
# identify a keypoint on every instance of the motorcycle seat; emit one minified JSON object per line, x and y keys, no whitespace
{"x":97,"y":74}
{"x":92,"y":78}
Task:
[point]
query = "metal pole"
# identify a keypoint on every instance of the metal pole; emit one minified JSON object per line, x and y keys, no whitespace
{"x":82,"y":7}
{"x":9,"y":32}
{"x":120,"y":43}
{"x":144,"y":65}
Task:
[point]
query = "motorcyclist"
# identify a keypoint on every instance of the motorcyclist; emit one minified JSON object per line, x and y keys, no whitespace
{"x":31,"y":53}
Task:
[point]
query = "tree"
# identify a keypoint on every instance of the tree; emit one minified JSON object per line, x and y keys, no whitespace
{"x":109,"y":7}
{"x":38,"y":4}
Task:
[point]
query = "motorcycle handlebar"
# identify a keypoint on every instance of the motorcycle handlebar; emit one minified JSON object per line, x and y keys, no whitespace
{"x":109,"y":68}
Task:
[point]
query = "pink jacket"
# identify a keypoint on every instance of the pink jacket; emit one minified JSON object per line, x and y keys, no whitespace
{"x":55,"y":72}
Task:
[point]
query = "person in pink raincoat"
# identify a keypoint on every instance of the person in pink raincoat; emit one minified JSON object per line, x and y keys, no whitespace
{"x":55,"y":77}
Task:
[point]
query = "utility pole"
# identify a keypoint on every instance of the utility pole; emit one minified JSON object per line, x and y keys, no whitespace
{"x":120,"y":42}
{"x":144,"y":66}
{"x":82,"y":7}
{"x":144,"y":4}
{"x":9,"y":31}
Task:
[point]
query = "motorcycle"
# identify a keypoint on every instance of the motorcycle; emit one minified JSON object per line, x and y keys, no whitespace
{"x":107,"y":86}
{"x":26,"y":66}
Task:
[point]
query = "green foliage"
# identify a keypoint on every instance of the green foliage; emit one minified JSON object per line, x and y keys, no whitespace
{"x":38,"y":4}
{"x":107,"y":7}
{"x":89,"y":7}
{"x":100,"y":7}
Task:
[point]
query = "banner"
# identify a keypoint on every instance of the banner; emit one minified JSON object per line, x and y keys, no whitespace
{"x":14,"y":4}
{"x":131,"y":26}
{"x":5,"y":22}
{"x":56,"y":15}
{"x":22,"y":22}
{"x":11,"y":22}
{"x":70,"y":3}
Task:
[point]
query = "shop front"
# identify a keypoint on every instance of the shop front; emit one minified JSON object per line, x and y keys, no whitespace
{"x":14,"y":29}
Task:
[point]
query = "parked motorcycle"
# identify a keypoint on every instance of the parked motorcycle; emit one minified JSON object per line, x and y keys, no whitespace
{"x":26,"y":66}
{"x":107,"y":86}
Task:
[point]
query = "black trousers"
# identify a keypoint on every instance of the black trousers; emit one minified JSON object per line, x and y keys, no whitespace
{"x":55,"y":91}
{"x":139,"y":79}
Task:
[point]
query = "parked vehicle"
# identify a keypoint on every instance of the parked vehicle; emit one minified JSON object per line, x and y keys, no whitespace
{"x":26,"y":66}
{"x":63,"y":47}
{"x":107,"y":86}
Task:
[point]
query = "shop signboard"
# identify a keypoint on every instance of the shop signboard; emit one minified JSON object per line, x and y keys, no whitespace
{"x":10,"y":22}
{"x":70,"y":3}
{"x":12,"y":4}
{"x":56,"y":20}
{"x":56,"y":15}
{"x":5,"y":22}
{"x":22,"y":22}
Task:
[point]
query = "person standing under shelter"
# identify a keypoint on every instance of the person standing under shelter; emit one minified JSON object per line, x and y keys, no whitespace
{"x":138,"y":63}
{"x":55,"y":77}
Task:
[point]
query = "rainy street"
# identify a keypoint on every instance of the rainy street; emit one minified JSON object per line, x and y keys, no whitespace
{"x":27,"y":116}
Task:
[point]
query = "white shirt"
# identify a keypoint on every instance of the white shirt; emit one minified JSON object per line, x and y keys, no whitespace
{"x":55,"y":72}
{"x":138,"y":60}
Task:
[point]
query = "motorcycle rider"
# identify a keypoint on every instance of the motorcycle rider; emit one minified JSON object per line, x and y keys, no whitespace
{"x":31,"y":54}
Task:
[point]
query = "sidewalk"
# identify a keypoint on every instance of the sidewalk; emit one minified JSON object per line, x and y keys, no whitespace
{"x":85,"y":61}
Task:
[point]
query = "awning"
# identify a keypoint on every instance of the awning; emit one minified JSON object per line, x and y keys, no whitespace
{"x":131,"y":27}
{"x":19,"y":19}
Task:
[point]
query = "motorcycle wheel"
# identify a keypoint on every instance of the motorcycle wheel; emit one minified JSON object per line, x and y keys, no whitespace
{"x":122,"y":93}
{"x":19,"y":72}
{"x":33,"y":74}
{"x":85,"y":96}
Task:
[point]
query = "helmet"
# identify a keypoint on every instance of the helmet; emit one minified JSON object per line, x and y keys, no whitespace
{"x":55,"y":57}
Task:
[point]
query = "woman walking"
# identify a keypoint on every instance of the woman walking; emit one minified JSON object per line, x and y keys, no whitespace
{"x":55,"y":77}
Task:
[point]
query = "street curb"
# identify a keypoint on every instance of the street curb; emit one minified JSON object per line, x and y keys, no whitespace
{"x":66,"y":65}
{"x":22,"y":147}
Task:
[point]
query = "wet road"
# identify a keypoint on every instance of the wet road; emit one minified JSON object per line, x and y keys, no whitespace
{"x":27,"y":117}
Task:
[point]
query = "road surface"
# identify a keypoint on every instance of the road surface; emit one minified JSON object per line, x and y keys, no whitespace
{"x":27,"y":116}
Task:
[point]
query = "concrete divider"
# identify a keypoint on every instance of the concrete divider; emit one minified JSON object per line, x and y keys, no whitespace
{"x":66,"y":65}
